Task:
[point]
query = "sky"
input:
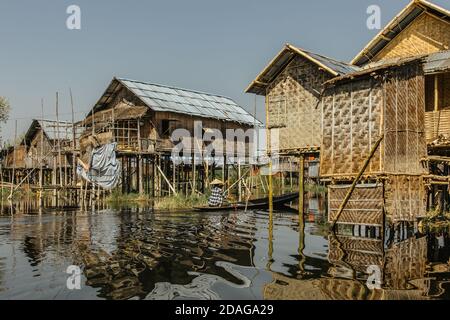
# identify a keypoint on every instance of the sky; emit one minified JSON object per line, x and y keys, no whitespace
{"x":206,"y":45}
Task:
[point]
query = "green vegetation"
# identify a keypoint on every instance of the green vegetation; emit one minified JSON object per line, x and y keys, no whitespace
{"x":316,"y":188}
{"x":173,"y":202}
{"x":177,"y":202}
{"x":118,"y":198}
{"x":19,"y":194}
{"x":435,"y":222}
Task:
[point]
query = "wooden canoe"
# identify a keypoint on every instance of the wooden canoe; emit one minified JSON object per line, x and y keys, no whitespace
{"x":261,"y":203}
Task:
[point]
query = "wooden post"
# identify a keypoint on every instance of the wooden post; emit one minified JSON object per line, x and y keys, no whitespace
{"x":59,"y":140}
{"x":174,"y":176}
{"x":301,"y":185}
{"x":74,"y":144}
{"x":140,"y":177}
{"x":193,"y":173}
{"x":239,"y":179}
{"x":436,"y":92}
{"x":13,"y":178}
{"x":41,"y":171}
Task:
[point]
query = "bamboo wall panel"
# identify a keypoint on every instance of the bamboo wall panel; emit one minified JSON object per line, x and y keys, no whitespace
{"x":293,"y":105}
{"x":357,"y":112}
{"x":16,"y":157}
{"x":404,"y":142}
{"x":364,"y":207}
{"x":352,"y":114}
{"x":426,"y":34}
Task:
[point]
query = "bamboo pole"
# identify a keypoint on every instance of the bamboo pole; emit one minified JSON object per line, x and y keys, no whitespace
{"x":59,"y":140}
{"x":141,"y":178}
{"x":239,"y":179}
{"x":355,"y":181}
{"x":436,"y":92}
{"x":167,"y":180}
{"x":74,"y":143}
{"x":41,"y":171}
{"x":13,"y":178}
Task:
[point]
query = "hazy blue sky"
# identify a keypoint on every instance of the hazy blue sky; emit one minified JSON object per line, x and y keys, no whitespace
{"x":206,"y":45}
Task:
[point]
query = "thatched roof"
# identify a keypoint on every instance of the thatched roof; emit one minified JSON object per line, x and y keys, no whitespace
{"x":122,"y":111}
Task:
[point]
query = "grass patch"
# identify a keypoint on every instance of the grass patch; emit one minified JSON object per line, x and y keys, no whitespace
{"x":316,"y":188}
{"x":177,"y":202}
{"x":18,"y":194}
{"x":117,"y":197}
{"x":436,"y":222}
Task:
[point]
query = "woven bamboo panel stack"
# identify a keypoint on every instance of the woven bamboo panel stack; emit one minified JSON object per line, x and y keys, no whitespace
{"x":437,"y":123}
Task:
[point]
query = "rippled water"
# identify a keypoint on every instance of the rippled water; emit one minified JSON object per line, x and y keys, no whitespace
{"x":137,"y":254}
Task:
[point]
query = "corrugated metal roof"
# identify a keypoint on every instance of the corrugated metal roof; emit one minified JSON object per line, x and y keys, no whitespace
{"x":432,"y":63}
{"x":171,"y":99}
{"x":340,"y":67}
{"x":437,"y":62}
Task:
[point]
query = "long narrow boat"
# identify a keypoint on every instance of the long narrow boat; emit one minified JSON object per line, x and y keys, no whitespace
{"x":261,"y":203}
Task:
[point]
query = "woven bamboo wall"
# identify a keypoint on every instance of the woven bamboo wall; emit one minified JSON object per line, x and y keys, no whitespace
{"x":426,"y":34}
{"x":16,"y":157}
{"x":364,"y":207}
{"x":405,"y":198}
{"x":356,"y":113}
{"x":294,"y":105}
{"x":404,"y":141}
{"x":351,"y":124}
{"x":437,"y":123}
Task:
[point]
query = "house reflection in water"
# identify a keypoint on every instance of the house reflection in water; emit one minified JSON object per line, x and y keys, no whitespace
{"x":413,"y":267}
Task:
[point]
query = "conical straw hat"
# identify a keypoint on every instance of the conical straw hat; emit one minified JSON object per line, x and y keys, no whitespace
{"x":216,"y":182}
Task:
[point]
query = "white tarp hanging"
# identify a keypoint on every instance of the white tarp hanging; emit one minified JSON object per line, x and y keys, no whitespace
{"x":104,"y":169}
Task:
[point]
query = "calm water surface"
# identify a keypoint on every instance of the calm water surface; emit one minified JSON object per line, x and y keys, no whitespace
{"x":137,"y":254}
